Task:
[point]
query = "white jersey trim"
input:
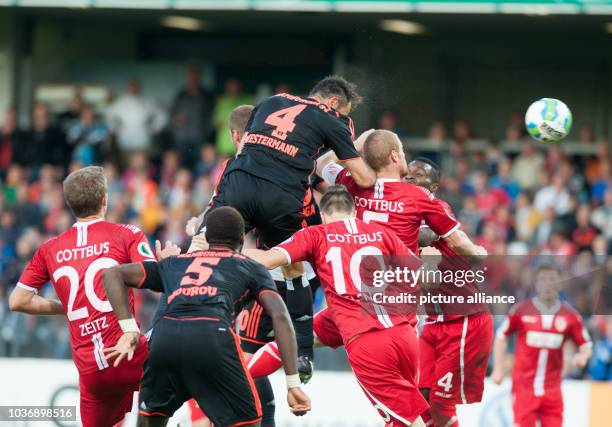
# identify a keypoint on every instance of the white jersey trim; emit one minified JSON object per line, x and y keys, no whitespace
{"x":451,"y":231}
{"x":462,"y":360}
{"x":26,"y":287}
{"x":540,"y":376}
{"x":381,"y":406}
{"x":545,"y":310}
{"x":87,"y":223}
{"x":284,"y":251}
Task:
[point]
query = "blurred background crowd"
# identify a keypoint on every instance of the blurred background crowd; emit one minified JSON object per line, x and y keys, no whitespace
{"x":514,"y":197}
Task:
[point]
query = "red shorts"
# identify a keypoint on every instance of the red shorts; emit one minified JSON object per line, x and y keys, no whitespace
{"x":107,"y":395}
{"x":529,"y":409}
{"x":325,"y":329}
{"x":453,"y":358}
{"x":386,"y":364}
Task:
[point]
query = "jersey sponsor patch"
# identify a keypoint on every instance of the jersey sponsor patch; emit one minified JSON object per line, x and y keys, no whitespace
{"x":560,"y":324}
{"x":549,"y":340}
{"x":131,"y":227}
{"x":145,"y":250}
{"x":529,"y":319}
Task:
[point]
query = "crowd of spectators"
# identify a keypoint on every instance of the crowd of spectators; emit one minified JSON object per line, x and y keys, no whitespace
{"x":161,"y":166}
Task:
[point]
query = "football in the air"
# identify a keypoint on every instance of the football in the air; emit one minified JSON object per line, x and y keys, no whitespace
{"x":548,"y":120}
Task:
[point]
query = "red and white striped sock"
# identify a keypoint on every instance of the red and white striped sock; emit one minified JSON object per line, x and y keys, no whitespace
{"x":265,"y":361}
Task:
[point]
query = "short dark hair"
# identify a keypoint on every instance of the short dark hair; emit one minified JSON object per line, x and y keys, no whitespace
{"x":435,"y":175}
{"x":239,"y":117}
{"x":84,"y":190}
{"x":547,"y":265}
{"x":337,"y":86}
{"x":225,"y":226}
{"x":337,"y":199}
{"x":378,"y":147}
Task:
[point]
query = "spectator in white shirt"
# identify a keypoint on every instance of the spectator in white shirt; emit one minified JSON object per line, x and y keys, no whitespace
{"x":527,"y":166}
{"x":135,"y":120}
{"x":554,"y":195}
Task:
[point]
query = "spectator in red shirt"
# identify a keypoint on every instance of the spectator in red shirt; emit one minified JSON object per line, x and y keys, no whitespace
{"x":487,"y":199}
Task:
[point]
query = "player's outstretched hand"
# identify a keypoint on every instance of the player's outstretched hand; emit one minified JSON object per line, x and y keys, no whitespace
{"x":192,"y":225}
{"x":361,"y":139}
{"x":497,"y":376}
{"x":481,"y":252}
{"x":125,"y":347}
{"x":169,"y":250}
{"x":298,"y":402}
{"x":198,"y":243}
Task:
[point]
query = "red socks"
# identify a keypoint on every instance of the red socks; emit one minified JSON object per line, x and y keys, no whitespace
{"x":265,"y":361}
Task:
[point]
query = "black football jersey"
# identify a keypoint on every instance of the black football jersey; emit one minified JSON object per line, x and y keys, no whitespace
{"x":214,"y":284}
{"x":283,"y":137}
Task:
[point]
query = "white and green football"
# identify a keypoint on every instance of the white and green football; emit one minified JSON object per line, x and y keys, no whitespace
{"x":548,"y":120}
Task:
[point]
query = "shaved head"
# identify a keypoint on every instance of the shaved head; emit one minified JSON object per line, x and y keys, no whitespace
{"x":378,"y":148}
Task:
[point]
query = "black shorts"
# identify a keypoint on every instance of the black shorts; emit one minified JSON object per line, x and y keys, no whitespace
{"x":255,"y":326}
{"x":200,"y":359}
{"x":273,"y":211}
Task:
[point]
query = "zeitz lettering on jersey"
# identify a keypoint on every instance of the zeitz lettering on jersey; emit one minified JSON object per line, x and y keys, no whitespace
{"x":84,"y":252}
{"x":193,"y":291}
{"x":94,"y":326}
{"x":379,"y":205}
{"x":275,"y":144}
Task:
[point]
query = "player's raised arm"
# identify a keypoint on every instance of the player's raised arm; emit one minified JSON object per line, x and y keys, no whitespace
{"x":330,"y":156}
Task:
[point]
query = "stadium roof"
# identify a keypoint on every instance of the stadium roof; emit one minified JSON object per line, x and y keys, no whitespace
{"x":528,"y":7}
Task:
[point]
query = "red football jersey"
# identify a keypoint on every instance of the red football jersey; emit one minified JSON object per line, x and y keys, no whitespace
{"x":74,"y":262}
{"x":451,"y":260}
{"x":336,"y":251}
{"x":541,"y":334}
{"x":398,"y":205}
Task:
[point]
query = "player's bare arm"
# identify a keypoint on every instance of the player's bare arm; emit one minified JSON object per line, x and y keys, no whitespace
{"x":463,"y":245}
{"x":30,"y":302}
{"x":269,"y":259}
{"x":117,"y":280}
{"x":360,"y":171}
{"x":287,"y":346}
{"x":330,"y":157}
{"x":500,"y":346}
{"x":582,"y":355}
